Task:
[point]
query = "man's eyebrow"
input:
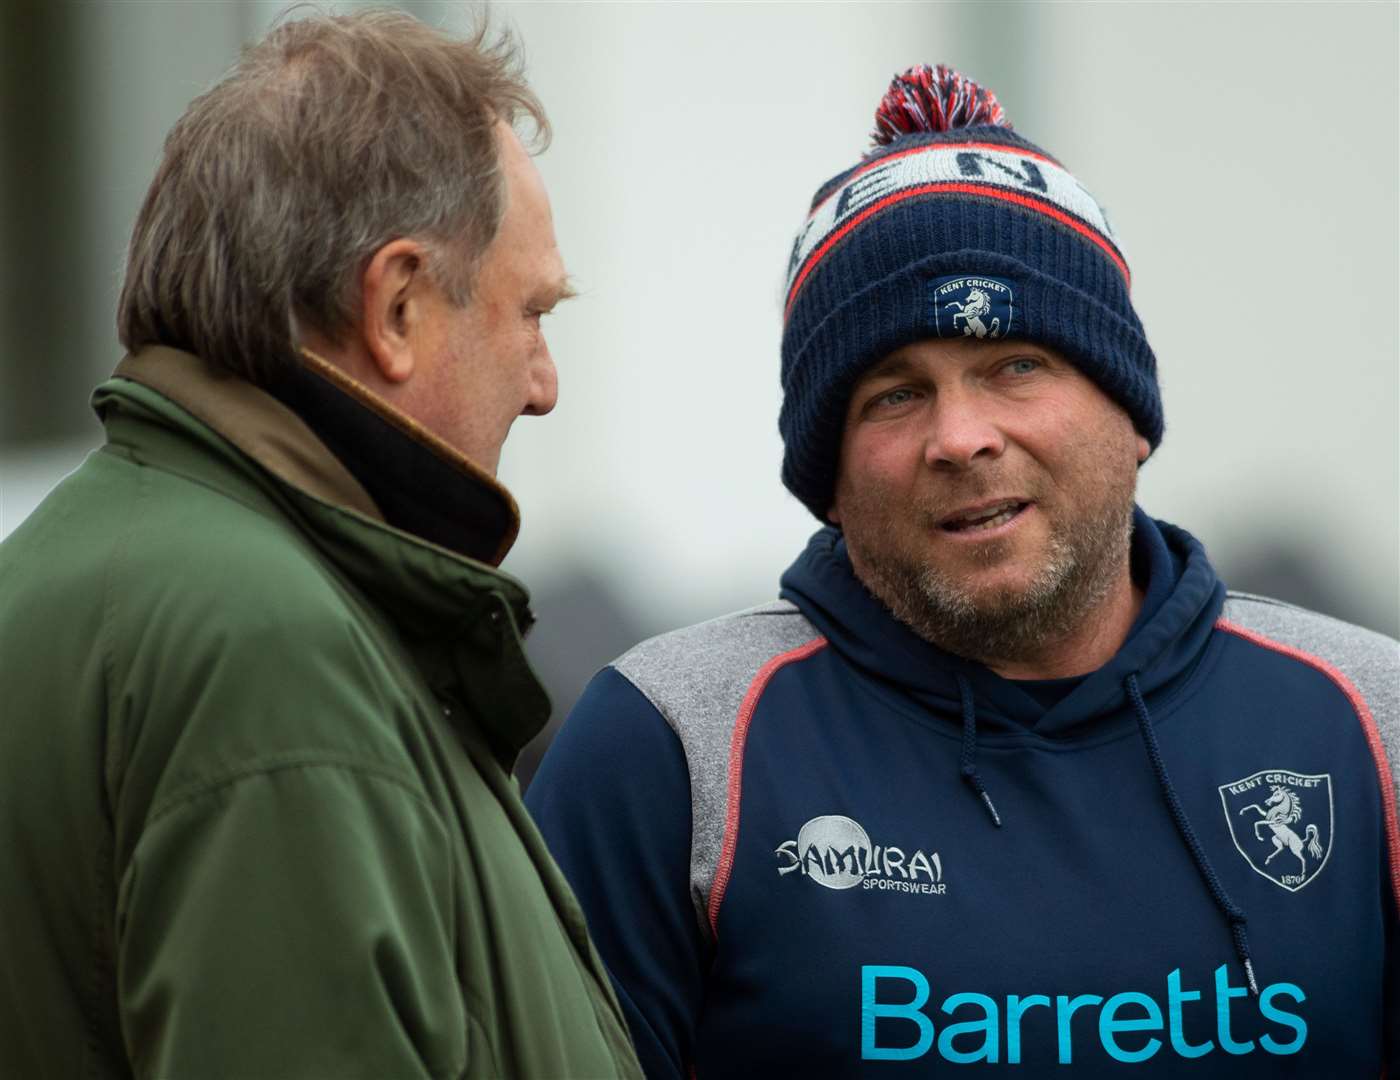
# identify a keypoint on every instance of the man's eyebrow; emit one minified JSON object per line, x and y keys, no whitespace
{"x":559,"y":291}
{"x":889,"y":367}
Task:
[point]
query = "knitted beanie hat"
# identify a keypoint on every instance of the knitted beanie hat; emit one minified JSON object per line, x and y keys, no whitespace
{"x":951,"y":226}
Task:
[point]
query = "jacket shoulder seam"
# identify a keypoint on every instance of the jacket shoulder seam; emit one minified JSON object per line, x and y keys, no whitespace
{"x":137,"y":460}
{"x":112,"y":747}
{"x":193,"y":790}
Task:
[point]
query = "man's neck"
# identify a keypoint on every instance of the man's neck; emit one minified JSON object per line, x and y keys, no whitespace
{"x":1100,"y":635}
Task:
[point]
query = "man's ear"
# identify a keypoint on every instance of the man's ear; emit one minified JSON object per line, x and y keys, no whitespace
{"x":391,"y":289}
{"x":1144,"y":449}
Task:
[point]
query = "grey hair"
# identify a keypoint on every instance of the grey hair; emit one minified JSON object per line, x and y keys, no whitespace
{"x":330,"y":137}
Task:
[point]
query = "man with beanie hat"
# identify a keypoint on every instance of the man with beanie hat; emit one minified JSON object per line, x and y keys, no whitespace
{"x":1006,"y":776}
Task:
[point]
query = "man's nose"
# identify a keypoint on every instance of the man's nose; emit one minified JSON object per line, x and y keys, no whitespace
{"x":961,"y":432}
{"x":544,"y":387}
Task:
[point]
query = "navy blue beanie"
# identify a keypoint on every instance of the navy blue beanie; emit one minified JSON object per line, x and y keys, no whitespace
{"x":952,"y":226}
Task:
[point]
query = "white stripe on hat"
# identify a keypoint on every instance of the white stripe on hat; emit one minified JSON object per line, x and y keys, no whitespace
{"x":991,"y":169}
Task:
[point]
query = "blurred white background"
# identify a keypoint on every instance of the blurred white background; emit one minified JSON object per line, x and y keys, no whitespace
{"x":1246,"y":152}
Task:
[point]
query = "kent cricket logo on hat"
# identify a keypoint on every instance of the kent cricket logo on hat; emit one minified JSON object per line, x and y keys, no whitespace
{"x":972,"y":307}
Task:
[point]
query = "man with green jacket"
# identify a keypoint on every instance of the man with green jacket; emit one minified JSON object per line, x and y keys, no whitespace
{"x":262,"y":684}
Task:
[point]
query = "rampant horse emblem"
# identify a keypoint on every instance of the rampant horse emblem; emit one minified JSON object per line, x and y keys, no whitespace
{"x":1281,"y":822}
{"x":967,"y":306}
{"x":978,"y":305}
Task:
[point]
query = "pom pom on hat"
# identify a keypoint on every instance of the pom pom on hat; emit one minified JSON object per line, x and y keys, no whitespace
{"x":933,"y":99}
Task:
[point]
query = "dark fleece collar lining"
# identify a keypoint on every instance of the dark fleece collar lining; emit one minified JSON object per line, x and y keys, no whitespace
{"x":420,"y":483}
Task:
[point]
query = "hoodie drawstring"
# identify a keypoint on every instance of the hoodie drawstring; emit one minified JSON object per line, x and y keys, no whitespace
{"x":969,"y":749}
{"x":1234,"y":915}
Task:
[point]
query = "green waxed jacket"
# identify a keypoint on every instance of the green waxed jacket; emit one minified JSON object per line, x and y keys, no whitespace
{"x":256,"y":811}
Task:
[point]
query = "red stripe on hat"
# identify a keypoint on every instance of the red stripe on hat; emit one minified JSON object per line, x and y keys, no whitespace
{"x":945,"y":187}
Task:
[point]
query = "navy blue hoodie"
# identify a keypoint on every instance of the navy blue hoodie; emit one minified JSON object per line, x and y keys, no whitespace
{"x":809,"y":842}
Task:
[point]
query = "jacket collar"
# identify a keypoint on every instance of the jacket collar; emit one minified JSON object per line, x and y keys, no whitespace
{"x":326,"y":434}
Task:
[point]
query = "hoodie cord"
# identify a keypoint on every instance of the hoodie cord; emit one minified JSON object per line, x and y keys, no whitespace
{"x":1234,"y":915}
{"x":969,"y":750}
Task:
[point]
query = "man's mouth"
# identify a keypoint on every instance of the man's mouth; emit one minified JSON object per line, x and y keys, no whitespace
{"x":983,"y":518}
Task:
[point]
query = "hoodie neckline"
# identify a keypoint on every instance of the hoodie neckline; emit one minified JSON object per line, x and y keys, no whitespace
{"x":1154,"y":572}
{"x":1183,"y":599}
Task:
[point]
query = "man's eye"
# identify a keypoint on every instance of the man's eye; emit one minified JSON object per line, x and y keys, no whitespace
{"x":896,"y":397}
{"x":1022,"y":365}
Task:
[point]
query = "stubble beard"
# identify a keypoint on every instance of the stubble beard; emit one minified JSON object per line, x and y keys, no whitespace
{"x":1079,"y":565}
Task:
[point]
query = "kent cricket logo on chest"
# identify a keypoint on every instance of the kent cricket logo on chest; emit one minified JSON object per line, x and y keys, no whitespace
{"x":836,"y":852}
{"x":1281,"y":822}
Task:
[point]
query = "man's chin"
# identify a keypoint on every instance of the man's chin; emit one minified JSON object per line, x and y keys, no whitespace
{"x":992,"y":601}
{"x":999,"y":574}
{"x":1005,"y":597}
{"x":974,"y":611}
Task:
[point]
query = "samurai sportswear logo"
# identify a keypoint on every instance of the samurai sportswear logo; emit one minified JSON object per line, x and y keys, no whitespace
{"x":1281,"y":822}
{"x":836,"y":852}
{"x":972,"y":307}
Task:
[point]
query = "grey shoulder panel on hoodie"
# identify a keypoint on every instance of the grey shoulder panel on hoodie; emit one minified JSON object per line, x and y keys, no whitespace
{"x":1370,"y":661}
{"x":697,"y":679}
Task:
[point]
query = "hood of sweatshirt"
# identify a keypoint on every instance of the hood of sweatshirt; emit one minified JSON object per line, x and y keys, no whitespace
{"x":1183,"y":599}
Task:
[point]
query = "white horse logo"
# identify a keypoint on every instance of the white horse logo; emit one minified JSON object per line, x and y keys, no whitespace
{"x":972,"y":312}
{"x":1282,"y":809}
